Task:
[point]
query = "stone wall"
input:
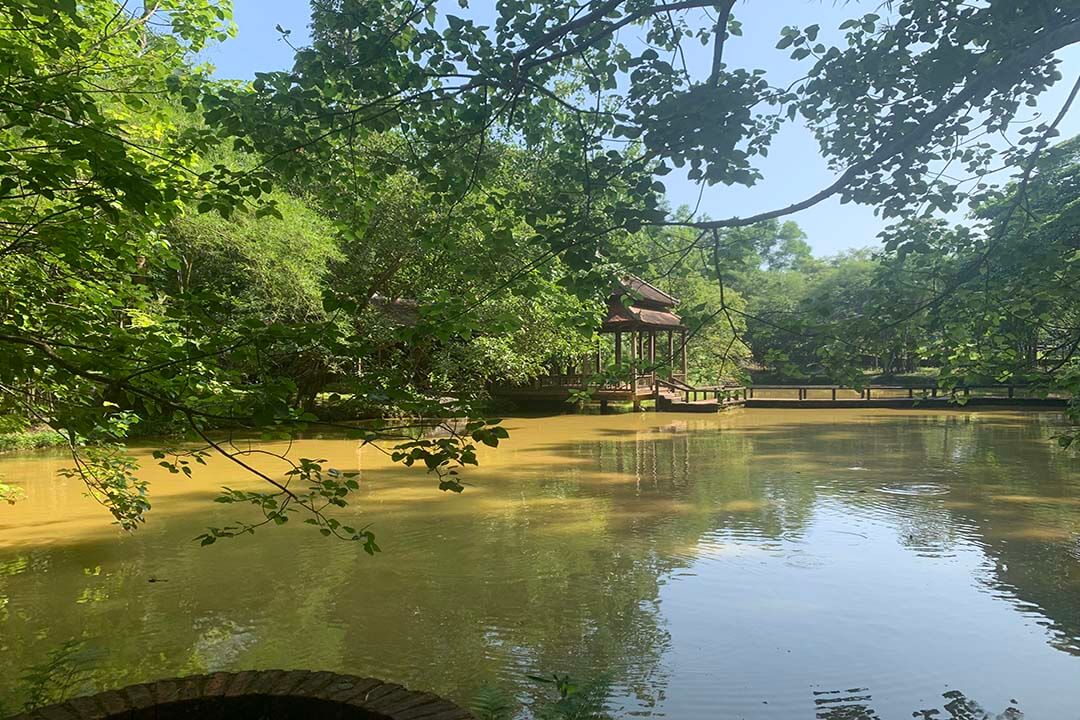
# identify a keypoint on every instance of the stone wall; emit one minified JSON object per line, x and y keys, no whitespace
{"x":257,"y":695}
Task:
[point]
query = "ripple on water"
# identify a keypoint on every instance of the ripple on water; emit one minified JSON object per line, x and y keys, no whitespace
{"x":915,"y":490}
{"x":803,"y":560}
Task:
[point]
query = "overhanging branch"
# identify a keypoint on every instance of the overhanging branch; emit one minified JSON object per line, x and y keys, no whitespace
{"x":1049,"y":43}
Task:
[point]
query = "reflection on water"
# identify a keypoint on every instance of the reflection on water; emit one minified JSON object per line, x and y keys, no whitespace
{"x":758,"y":564}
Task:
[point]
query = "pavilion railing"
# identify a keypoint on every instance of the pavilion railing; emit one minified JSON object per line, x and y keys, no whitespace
{"x":641,"y":381}
{"x":561,"y":381}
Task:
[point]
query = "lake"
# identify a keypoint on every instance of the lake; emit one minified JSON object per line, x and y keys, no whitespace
{"x":831,"y":564}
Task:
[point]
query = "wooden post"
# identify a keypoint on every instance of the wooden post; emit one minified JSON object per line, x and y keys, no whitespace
{"x":652,"y":354}
{"x":1011,"y":391}
{"x":683,"y":353}
{"x":867,"y":392}
{"x":751,"y":391}
{"x":599,"y":354}
{"x":911,"y":392}
{"x":933,"y":391}
{"x":834,"y":394}
{"x":671,"y":354}
{"x":638,"y":357}
{"x":618,"y":348}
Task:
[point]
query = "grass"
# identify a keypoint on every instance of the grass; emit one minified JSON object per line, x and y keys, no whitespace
{"x":30,"y":440}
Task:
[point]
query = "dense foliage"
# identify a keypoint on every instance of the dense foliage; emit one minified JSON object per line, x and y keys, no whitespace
{"x":998,"y":300}
{"x":432,"y":201}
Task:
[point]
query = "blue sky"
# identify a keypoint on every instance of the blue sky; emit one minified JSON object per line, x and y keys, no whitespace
{"x":794,"y":168}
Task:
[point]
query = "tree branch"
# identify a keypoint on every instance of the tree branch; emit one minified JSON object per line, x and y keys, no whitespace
{"x":720,"y":35}
{"x":1048,"y":43}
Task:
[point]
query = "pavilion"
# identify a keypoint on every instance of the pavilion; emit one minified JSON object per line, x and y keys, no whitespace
{"x":641,"y":331}
{"x":640,"y":311}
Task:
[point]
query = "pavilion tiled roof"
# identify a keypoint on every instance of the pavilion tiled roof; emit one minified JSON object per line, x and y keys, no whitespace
{"x":646,"y":293}
{"x":640,"y":305}
{"x":632,"y":318}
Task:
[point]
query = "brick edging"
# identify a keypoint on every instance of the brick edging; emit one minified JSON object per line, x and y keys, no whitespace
{"x":375,"y":698}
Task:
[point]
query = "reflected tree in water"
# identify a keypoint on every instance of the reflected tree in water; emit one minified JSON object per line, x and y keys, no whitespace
{"x":857,"y":704}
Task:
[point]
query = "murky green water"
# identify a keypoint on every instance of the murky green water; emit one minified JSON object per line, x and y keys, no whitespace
{"x":758,"y":564}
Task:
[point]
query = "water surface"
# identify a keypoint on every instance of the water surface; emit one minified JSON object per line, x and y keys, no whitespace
{"x":758,"y":564}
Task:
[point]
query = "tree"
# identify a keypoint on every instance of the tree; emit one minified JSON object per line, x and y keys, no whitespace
{"x":999,"y":302}
{"x":613,"y":112}
{"x":619,"y":112}
{"x":92,"y":169}
{"x":100,"y":158}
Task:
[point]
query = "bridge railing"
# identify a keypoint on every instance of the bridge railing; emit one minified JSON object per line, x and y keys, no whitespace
{"x":869,"y":392}
{"x":727,"y":394}
{"x":724,"y":394}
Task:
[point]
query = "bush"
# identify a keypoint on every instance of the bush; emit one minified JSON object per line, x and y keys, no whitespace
{"x":30,"y":440}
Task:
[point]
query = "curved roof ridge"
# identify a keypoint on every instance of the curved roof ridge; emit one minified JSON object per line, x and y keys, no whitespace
{"x":635,"y":284}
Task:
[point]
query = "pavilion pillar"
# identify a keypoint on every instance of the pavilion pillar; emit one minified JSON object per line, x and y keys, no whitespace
{"x":652,"y":353}
{"x":670,"y":353}
{"x":682,"y":352}
{"x":618,"y":348}
{"x":636,"y":370}
{"x":599,"y":353}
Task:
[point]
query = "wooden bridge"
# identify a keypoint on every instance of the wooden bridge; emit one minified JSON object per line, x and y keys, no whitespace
{"x":676,"y":395}
{"x":898,"y":396}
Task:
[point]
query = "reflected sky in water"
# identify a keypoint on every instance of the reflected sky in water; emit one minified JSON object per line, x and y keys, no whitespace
{"x":759,"y":564}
